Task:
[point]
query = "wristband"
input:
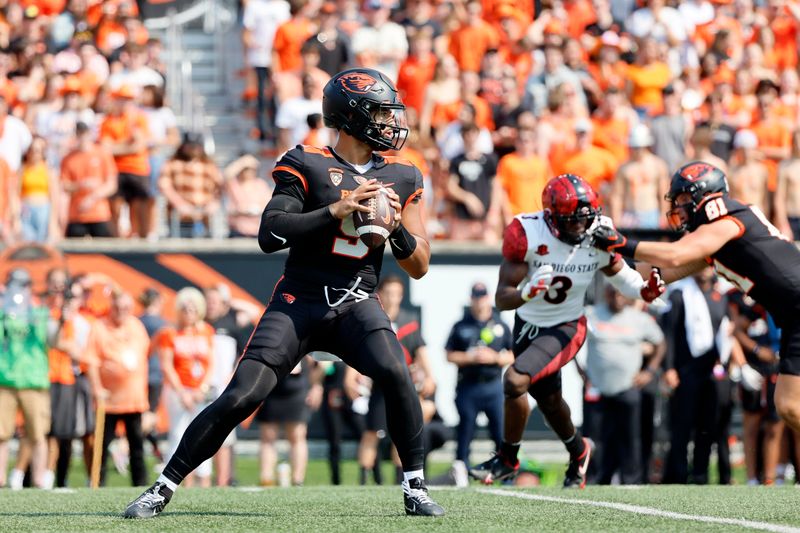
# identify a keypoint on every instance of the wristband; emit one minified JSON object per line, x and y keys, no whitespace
{"x":402,"y":242}
{"x":628,"y":248}
{"x":755,"y":351}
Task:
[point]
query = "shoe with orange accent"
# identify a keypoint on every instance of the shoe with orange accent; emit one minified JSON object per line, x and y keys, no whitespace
{"x":576,"y":471}
{"x":495,"y":469}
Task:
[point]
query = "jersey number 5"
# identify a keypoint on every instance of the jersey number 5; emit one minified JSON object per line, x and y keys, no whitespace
{"x":557,"y":292}
{"x":349,"y":245}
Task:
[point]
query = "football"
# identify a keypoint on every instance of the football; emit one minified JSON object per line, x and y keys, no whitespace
{"x":373,"y":227}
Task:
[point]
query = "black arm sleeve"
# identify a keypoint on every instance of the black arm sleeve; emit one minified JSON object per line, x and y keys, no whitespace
{"x":283,"y":220}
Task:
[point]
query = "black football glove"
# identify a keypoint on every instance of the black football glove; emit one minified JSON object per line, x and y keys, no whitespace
{"x":606,"y":237}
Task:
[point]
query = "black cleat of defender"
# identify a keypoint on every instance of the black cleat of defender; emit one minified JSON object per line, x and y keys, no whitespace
{"x":417,"y":501}
{"x":576,"y":471}
{"x":150,"y":503}
{"x":495,"y":469}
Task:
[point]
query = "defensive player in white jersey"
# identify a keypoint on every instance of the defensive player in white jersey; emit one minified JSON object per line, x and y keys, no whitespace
{"x":548,"y":263}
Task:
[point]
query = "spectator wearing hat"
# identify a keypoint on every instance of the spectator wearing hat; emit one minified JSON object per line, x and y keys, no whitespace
{"x":89,"y":178}
{"x":380,"y":43}
{"x":480,"y":346}
{"x":476,"y":194}
{"x":246,"y":195}
{"x":749,"y":176}
{"x":119,"y":351}
{"x":787,"y":194}
{"x":24,"y":381}
{"x":670,"y":130}
{"x":614,"y":366}
{"x":636,"y":199}
{"x":125,"y":133}
{"x":333,"y":45}
{"x":773,"y":131}
{"x":191,"y":183}
{"x":58,"y":127}
{"x":594,"y":164}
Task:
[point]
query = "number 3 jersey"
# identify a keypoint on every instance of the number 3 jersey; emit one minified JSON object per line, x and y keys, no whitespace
{"x":760,"y":261}
{"x":529,"y":239}
{"x":335,"y":256}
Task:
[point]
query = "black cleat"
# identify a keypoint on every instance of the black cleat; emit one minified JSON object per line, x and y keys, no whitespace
{"x":150,"y":503}
{"x":576,"y":471}
{"x":495,"y":469}
{"x":417,"y":501}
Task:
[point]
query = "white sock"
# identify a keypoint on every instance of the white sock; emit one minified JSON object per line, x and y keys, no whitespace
{"x":408,"y":476}
{"x":171,"y":485}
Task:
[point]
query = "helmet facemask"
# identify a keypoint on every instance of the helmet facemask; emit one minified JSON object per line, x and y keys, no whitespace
{"x":572,"y":228}
{"x":381,"y":125}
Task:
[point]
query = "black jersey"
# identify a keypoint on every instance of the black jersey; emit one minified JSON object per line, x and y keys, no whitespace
{"x":335,"y":256}
{"x":761,"y":262}
{"x":407,"y":328}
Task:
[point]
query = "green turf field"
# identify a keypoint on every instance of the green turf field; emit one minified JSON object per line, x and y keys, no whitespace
{"x":379,"y":509}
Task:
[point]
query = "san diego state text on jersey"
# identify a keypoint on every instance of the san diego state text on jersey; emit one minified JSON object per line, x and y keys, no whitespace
{"x":529,"y":239}
{"x":760,"y":261}
{"x":336,"y":256}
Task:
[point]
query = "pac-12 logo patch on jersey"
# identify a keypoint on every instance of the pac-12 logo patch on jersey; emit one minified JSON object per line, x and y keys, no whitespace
{"x":288,"y":298}
{"x":358,"y":82}
{"x":336,"y":175}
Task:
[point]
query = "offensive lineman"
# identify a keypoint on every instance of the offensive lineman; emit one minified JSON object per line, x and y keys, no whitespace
{"x":548,"y":254}
{"x":743,"y":246}
{"x":325,"y":299}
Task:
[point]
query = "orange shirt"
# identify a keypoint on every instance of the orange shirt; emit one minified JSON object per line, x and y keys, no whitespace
{"x":93,"y":167}
{"x":289,"y":39}
{"x":61,"y":364}
{"x":444,"y":114}
{"x":8,"y":90}
{"x":612,"y":134}
{"x":523,"y":179}
{"x":192,"y":350}
{"x":648,"y":81}
{"x":612,"y":76}
{"x":785,"y":30}
{"x":468,"y":45}
{"x":580,"y":13}
{"x":120,"y":128}
{"x":8,"y":183}
{"x":772,"y":133}
{"x":120,"y":353}
{"x":46,"y":7}
{"x":593,"y":164}
{"x":413,"y":78}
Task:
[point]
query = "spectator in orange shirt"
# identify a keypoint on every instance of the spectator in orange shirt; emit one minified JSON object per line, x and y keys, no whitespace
{"x":416,"y":71}
{"x":89,"y":177}
{"x":773,"y":133}
{"x":594,"y":164}
{"x":444,"y":89}
{"x":609,"y":70}
{"x":469,"y":43}
{"x":523,"y":173}
{"x":612,"y":122}
{"x":120,"y":349}
{"x":444,"y":114}
{"x":9,"y":204}
{"x":290,"y":36}
{"x":187,"y":356}
{"x":784,"y":25}
{"x":124,"y":132}
{"x":647,"y":77}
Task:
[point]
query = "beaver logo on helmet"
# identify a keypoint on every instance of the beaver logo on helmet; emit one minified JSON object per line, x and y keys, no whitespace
{"x":695,"y":171}
{"x":358,"y":82}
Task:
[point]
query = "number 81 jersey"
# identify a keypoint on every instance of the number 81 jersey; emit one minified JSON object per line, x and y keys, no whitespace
{"x":528,"y":239}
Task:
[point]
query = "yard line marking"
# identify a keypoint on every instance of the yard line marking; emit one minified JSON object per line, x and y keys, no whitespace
{"x":650,"y":511}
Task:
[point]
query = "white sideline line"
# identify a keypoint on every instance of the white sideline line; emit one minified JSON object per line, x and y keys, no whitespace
{"x":637,"y":509}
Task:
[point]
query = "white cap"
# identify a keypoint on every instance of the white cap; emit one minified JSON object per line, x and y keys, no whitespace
{"x":640,"y":137}
{"x":583,"y":124}
{"x":745,"y":139}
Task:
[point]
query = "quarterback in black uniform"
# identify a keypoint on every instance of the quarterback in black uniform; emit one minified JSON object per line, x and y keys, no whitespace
{"x":325,"y":300}
{"x":743,"y":246}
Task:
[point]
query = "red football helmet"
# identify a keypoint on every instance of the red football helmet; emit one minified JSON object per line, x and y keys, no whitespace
{"x":570,"y":207}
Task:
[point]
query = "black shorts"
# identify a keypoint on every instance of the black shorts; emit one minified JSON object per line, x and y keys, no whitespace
{"x":541,"y":352}
{"x":376,"y":415}
{"x":133,"y":186}
{"x":298,"y":320}
{"x":91,"y":229}
{"x":790,"y":350}
{"x":62,"y":411}
{"x":154,"y":395}
{"x":761,"y":401}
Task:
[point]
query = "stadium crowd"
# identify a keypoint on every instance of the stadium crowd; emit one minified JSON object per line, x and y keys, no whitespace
{"x":500,"y":98}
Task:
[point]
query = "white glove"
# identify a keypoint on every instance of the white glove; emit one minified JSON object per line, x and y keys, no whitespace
{"x":539,"y":282}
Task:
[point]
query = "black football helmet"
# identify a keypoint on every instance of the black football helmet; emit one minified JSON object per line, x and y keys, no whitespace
{"x":701,"y":182}
{"x":570,"y":207}
{"x":364,"y":103}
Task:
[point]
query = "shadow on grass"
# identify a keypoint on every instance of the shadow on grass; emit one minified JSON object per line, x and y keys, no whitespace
{"x":167,"y":515}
